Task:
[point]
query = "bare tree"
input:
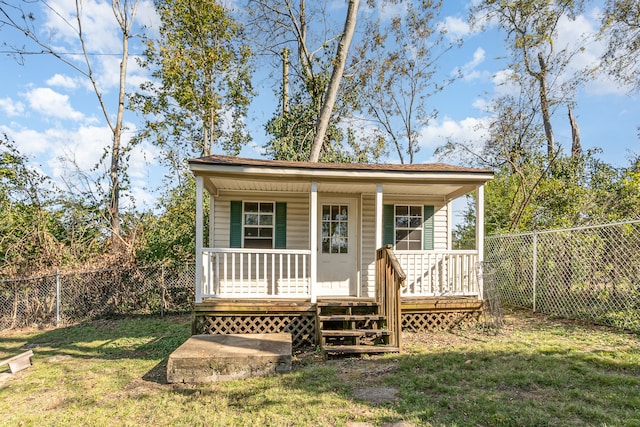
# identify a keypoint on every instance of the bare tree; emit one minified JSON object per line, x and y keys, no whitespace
{"x":21,"y":17}
{"x":531,"y":28}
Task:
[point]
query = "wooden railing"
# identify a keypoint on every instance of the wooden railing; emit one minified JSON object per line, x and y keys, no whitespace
{"x":439,"y":273}
{"x":255,"y":273}
{"x":389,"y":279}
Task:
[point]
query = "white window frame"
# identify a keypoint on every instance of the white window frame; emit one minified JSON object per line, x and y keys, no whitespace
{"x":259,"y":226}
{"x":419,"y":228}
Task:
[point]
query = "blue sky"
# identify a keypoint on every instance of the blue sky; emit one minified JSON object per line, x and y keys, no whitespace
{"x":51,"y":113}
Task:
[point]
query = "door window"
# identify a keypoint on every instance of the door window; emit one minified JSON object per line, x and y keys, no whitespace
{"x":335,"y":229}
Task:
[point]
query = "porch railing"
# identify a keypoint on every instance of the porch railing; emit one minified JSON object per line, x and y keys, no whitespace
{"x":439,"y":273}
{"x":255,"y":273}
{"x":389,"y":280}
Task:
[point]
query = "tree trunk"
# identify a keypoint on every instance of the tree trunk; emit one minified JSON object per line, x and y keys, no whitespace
{"x":336,"y":76}
{"x":285,"y":81}
{"x":544,"y":106}
{"x":576,"y":148}
{"x":114,"y":170}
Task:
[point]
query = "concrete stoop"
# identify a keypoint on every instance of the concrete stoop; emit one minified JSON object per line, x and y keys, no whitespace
{"x":211,"y":358}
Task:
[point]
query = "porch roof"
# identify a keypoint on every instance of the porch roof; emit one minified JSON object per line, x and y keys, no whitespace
{"x":226,"y":173}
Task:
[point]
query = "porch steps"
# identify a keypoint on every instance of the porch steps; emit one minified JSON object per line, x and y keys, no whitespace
{"x":352,"y":327}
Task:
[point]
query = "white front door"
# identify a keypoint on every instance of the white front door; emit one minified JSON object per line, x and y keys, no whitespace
{"x":337,"y":251}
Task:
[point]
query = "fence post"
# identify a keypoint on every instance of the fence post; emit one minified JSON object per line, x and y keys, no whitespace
{"x":162,"y":292}
{"x":57,"y":297}
{"x":535,"y":269}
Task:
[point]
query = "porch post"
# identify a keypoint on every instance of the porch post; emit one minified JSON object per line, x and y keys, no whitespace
{"x":378,"y":216}
{"x":211,"y":243}
{"x":480,"y":236}
{"x":199,"y":238}
{"x":449,"y":225}
{"x":313,"y":240}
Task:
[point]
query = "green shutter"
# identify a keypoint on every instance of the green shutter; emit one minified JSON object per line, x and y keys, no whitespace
{"x":427,"y":243}
{"x":235,"y":226}
{"x":281,"y":226}
{"x":388,"y":218}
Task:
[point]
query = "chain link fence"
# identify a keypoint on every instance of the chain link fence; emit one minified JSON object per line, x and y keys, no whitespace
{"x":590,"y":273}
{"x":61,"y":299}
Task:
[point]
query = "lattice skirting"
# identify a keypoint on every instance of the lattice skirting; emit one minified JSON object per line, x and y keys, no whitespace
{"x":424,"y":322}
{"x":302,"y":328}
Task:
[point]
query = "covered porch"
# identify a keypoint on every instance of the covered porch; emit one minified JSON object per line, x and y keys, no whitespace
{"x":295,"y":237}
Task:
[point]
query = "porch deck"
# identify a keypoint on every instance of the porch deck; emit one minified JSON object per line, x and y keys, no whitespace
{"x":298,"y":315}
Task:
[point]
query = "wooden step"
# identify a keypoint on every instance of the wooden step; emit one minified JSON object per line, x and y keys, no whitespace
{"x":347,"y":304}
{"x":354,"y":332}
{"x":343,"y":317}
{"x":360,"y":349}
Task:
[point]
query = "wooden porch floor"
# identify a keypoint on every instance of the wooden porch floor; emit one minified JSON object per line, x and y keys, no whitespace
{"x":301,"y":305}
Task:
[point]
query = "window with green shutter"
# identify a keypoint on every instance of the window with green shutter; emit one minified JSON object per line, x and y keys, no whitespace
{"x":258,"y":225}
{"x":408,"y":227}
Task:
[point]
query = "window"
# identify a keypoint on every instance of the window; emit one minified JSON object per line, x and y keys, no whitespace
{"x":335,"y":229}
{"x":405,"y":225}
{"x":408,"y":227}
{"x":258,"y":225}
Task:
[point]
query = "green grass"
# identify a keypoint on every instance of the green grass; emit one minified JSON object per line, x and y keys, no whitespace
{"x":538,"y":371}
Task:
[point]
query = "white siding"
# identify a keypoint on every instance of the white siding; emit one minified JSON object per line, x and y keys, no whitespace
{"x":297,"y":217}
{"x":368,"y":230}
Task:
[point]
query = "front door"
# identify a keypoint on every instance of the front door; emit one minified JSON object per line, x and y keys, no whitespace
{"x":337,"y":252}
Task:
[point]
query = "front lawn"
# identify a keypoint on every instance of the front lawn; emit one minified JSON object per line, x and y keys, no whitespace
{"x":537,"y":371}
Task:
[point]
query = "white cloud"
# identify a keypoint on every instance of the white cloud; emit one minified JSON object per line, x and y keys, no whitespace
{"x":53,"y":104}
{"x":468,"y":130}
{"x":455,"y":28}
{"x":469,"y":70}
{"x":65,"y":82}
{"x":10,"y":107}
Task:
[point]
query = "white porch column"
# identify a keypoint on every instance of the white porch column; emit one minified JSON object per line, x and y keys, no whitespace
{"x":211,"y":221}
{"x":199,"y":238}
{"x":450,"y":225}
{"x":480,"y":234}
{"x":313,"y":240}
{"x":378,"y":216}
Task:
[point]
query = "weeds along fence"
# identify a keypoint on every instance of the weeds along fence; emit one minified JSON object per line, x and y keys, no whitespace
{"x":60,"y":299}
{"x":590,"y":273}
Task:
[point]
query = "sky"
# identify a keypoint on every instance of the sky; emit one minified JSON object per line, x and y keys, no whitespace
{"x":51,"y":112}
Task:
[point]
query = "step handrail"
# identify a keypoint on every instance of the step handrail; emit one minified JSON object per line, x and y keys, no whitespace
{"x":390,"y":277}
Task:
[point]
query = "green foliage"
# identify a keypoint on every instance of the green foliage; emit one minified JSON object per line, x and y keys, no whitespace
{"x":621,"y":28}
{"x":204,"y":81}
{"x":170,"y":234}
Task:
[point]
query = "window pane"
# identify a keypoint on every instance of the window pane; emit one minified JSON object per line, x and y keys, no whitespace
{"x":251,"y":231}
{"x":402,"y":210}
{"x":402,"y":246}
{"x":250,"y":219}
{"x":343,"y":214}
{"x":415,"y":222}
{"x":416,"y":210}
{"x":326,"y":249}
{"x":266,"y":219}
{"x":402,"y":222}
{"x":335,"y":211}
{"x":258,"y":243}
{"x":251,"y":207}
{"x":266,"y":207}
{"x":401,"y":235}
{"x":266,"y":232}
{"x":415,"y":246}
{"x":326,"y":212}
{"x":415,"y":235}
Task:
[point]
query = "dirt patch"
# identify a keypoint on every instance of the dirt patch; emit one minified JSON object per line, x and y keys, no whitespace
{"x":376,"y":394}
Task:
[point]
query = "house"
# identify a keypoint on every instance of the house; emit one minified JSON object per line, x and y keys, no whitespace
{"x":344,"y":256}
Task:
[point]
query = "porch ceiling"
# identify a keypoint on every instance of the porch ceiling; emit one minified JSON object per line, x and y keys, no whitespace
{"x":440,"y":190}
{"x":225,"y":174}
